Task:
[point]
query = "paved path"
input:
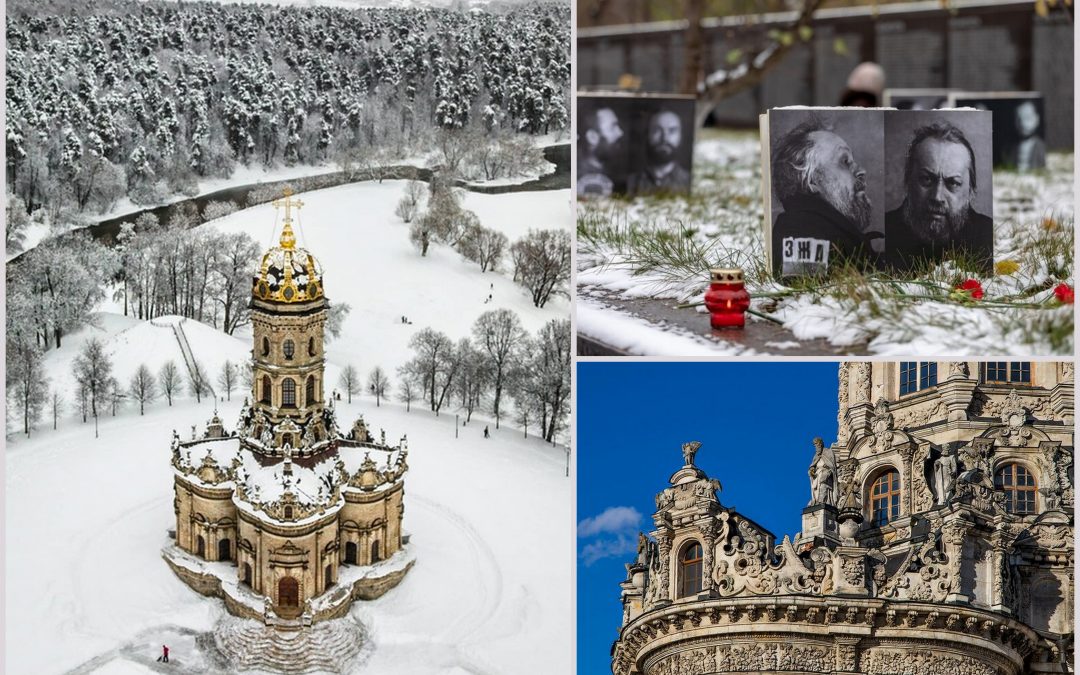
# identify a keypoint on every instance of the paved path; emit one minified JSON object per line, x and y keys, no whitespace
{"x":662,"y":316}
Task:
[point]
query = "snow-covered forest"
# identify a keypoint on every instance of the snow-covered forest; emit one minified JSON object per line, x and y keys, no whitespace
{"x":143,"y":99}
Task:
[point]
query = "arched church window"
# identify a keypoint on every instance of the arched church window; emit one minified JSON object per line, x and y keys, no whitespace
{"x":288,"y":393}
{"x":288,"y":512}
{"x":1019,"y":487}
{"x":288,"y":348}
{"x":375,"y":551}
{"x":309,"y":390}
{"x":885,"y":497}
{"x":690,"y":570}
{"x":266,"y":347}
{"x":311,"y":346}
{"x":267,"y":389}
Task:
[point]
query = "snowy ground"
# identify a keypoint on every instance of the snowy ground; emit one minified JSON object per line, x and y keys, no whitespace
{"x":663,"y":247}
{"x":489,"y":519}
{"x":369,"y":263}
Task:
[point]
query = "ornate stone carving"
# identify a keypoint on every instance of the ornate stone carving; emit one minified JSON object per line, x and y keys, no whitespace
{"x":747,"y":657}
{"x":958,"y":369}
{"x":923,"y":414}
{"x":879,"y":661}
{"x":1014,"y":418}
{"x":882,"y":426}
{"x":845,"y":657}
{"x":744,"y":567}
{"x":862,"y":371}
{"x":843,"y":429}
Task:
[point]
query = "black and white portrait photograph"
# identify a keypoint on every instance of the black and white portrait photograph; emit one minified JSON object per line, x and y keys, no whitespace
{"x":916,"y":99}
{"x":1019,"y":133}
{"x":938,"y":188}
{"x":634,"y":144}
{"x":827,"y":170}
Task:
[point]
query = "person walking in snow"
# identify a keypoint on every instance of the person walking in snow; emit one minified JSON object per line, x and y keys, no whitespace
{"x":486,"y":434}
{"x":164,"y":658}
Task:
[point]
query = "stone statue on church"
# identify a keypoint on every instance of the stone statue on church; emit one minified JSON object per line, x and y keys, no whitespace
{"x":945,"y":468}
{"x":822,"y":475}
{"x":688,"y":451}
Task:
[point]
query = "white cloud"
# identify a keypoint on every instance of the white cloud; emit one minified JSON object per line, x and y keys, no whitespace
{"x":614,"y":519}
{"x":620,"y":546}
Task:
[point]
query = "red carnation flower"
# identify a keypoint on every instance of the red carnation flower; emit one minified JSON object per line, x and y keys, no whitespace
{"x":972,"y":287}
{"x":1064,"y":294}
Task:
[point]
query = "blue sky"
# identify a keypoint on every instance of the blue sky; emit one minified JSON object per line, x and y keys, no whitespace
{"x":756,"y":423}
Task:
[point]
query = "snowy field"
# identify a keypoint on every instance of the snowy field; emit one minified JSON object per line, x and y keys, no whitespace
{"x":662,"y":248}
{"x":489,"y":519}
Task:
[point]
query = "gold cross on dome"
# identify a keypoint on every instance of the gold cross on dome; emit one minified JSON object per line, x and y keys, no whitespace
{"x":288,"y":204}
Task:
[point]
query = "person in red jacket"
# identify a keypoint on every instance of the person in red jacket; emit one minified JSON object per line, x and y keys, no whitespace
{"x":164,"y":654}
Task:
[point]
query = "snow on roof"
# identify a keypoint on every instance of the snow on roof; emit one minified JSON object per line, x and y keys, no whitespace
{"x":268,"y":479}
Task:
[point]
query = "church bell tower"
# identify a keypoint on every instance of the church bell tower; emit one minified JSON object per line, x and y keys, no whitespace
{"x":288,"y":315}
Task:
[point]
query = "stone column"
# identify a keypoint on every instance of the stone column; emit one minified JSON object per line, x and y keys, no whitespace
{"x":957,"y":391}
{"x":1061,"y":396}
{"x":907,"y":481}
{"x":663,"y":540}
{"x":953,"y":535}
{"x":708,"y":535}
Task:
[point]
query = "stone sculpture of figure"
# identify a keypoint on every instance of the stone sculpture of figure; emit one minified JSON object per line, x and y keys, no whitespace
{"x":945,"y":468}
{"x":823,"y":475}
{"x":689,"y":450}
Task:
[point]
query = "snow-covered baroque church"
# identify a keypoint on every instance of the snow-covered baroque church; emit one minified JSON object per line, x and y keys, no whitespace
{"x":286,"y":517}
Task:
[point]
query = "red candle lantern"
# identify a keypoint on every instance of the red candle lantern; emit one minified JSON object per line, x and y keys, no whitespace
{"x":727,"y":299}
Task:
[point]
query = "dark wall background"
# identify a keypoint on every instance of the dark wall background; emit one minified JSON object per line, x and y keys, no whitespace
{"x":995,"y":46}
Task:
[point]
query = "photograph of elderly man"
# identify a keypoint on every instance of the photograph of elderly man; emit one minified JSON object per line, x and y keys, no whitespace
{"x":826,"y":186}
{"x":941,"y":201}
{"x":662,"y":170}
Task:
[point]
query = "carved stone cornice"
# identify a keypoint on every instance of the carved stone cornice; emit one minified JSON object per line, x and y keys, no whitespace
{"x":754,"y":634}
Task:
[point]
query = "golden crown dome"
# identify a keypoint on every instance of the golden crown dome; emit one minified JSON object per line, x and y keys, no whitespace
{"x":288,"y":273}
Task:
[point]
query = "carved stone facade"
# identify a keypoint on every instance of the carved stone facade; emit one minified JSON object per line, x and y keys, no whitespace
{"x":294,"y":506}
{"x":938,"y":540}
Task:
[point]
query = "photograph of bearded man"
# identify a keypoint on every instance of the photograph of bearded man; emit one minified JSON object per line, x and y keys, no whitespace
{"x":662,"y":171}
{"x":826,"y":183}
{"x":600,"y":148}
{"x":945,"y":191}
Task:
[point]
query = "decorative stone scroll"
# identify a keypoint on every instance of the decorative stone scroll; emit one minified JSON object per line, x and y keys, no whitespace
{"x":743,"y":566}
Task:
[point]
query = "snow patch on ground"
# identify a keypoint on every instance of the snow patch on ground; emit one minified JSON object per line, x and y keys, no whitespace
{"x":490,"y":590}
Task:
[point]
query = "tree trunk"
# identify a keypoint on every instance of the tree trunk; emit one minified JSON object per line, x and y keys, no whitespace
{"x":693,"y":48}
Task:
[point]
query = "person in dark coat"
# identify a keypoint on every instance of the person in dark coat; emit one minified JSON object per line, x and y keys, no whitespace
{"x":827,"y":214}
{"x":937,"y":219}
{"x":486,"y":432}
